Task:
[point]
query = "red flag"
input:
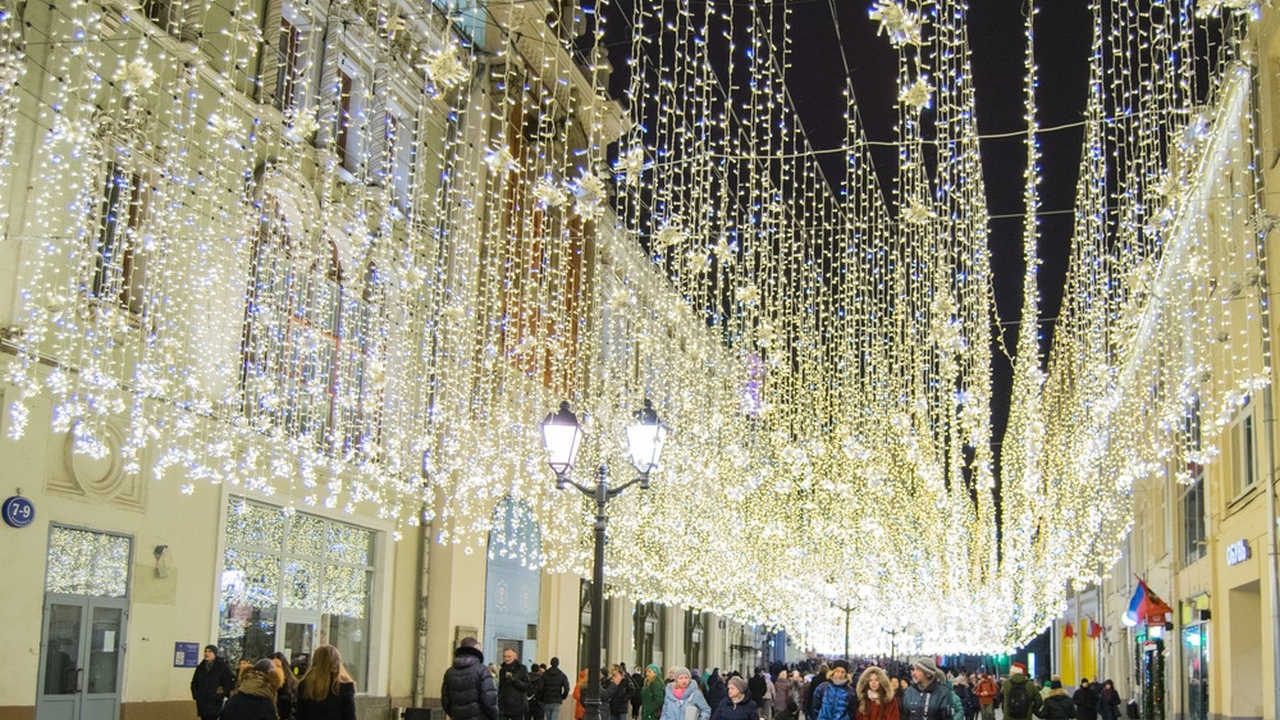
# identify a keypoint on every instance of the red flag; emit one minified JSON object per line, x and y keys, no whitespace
{"x":1153,"y":610}
{"x":1068,"y":631}
{"x":1095,"y":630}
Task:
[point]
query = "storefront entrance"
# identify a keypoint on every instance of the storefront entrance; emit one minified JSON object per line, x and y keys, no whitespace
{"x":86,"y":606}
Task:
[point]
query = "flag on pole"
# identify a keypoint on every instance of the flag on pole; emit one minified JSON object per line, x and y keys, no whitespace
{"x":1145,"y":607}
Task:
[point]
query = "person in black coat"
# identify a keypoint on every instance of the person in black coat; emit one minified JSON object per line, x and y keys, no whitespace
{"x":715,"y":689}
{"x":1057,"y":705}
{"x":555,"y":690}
{"x":1108,"y":701}
{"x":468,"y":692}
{"x":513,"y":687}
{"x":211,"y":683}
{"x":736,"y":705}
{"x":255,"y":695}
{"x":1086,"y":701}
{"x":619,"y":694}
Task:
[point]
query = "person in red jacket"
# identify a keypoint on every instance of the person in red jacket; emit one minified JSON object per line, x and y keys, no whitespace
{"x":876,"y":700}
{"x":986,"y":690}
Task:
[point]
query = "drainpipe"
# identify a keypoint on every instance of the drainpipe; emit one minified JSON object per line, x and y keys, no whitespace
{"x":1264,"y":292}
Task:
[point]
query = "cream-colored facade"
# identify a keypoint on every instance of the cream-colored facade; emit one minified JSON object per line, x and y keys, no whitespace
{"x":169,"y":543}
{"x":1207,"y":547}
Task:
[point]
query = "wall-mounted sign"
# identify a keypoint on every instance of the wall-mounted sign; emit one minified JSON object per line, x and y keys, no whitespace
{"x":18,"y":511}
{"x":186,"y":654}
{"x":1238,"y":552}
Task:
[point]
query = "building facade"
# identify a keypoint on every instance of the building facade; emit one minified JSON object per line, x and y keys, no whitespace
{"x":247,"y":244}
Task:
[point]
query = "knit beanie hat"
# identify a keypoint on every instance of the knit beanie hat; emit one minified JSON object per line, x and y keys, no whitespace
{"x":844,"y":664}
{"x":927,"y":665}
{"x":679,"y":670}
{"x":656,"y":670}
{"x":739,"y":683}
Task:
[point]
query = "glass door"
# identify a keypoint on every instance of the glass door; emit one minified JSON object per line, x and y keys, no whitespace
{"x":300,"y":637}
{"x":80,"y":664}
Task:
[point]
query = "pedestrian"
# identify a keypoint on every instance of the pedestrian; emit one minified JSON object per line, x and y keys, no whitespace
{"x":1057,"y":704}
{"x":968,"y":700}
{"x":619,"y":693}
{"x":781,"y":693}
{"x":637,"y":694}
{"x":1019,"y":698}
{"x":211,"y":684}
{"x":928,"y":696}
{"x":468,"y":692}
{"x":555,"y":690}
{"x":651,"y":693}
{"x":835,"y":699}
{"x":875,"y":699}
{"x":738,"y":703}
{"x":811,"y":710}
{"x":579,"y":710}
{"x":987,"y":690}
{"x":791,"y":712}
{"x":1086,"y":701}
{"x":287,"y":695}
{"x":326,"y":692}
{"x":255,"y":694}
{"x":534,"y":693}
{"x":716,"y":688}
{"x":513,"y":687}
{"x":683,"y":700}
{"x":1108,"y":701}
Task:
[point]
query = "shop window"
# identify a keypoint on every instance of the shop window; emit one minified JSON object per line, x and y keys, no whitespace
{"x":1244,"y":450}
{"x":292,"y":581}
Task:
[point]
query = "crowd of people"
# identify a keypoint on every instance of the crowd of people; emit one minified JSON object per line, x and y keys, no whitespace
{"x":272,"y":689}
{"x":827,"y":691}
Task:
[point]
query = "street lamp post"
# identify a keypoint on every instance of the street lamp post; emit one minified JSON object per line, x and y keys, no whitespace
{"x":562,"y":437}
{"x":848,"y":610}
{"x":893,"y":642}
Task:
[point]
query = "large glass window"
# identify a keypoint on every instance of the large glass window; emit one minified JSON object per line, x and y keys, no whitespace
{"x":1191,"y":501}
{"x":1195,"y":653}
{"x":291,"y":575}
{"x":82,"y":562}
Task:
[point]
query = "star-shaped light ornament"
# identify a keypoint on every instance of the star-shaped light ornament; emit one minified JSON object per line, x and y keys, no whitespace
{"x":901,"y":25}
{"x":918,"y":95}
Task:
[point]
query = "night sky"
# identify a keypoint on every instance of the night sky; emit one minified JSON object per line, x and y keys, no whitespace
{"x":996,"y":33}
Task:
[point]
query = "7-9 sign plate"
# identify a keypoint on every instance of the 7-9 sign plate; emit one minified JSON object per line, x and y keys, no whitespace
{"x":18,"y":511}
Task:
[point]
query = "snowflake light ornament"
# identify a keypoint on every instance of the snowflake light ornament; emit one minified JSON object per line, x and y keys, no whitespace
{"x":135,"y":76}
{"x":549,"y":193}
{"x":1213,"y":8}
{"x":918,"y":95}
{"x":500,"y":158}
{"x":917,"y":212}
{"x":302,"y":125}
{"x":445,"y":69}
{"x":631,"y":165}
{"x":589,"y":193}
{"x":901,"y":25}
{"x":671,"y":234}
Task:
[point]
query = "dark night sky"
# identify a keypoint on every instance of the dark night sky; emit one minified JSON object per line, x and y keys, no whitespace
{"x":996,"y":34}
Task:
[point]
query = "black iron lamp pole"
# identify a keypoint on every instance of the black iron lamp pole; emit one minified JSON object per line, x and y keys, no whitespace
{"x":562,"y":436}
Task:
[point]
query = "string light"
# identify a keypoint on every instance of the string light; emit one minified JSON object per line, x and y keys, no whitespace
{"x":399,"y":270}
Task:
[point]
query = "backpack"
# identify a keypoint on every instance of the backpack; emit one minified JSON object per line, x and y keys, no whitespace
{"x":1018,"y":704}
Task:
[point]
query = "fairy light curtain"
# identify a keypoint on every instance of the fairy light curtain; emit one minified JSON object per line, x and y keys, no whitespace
{"x":406,"y":244}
